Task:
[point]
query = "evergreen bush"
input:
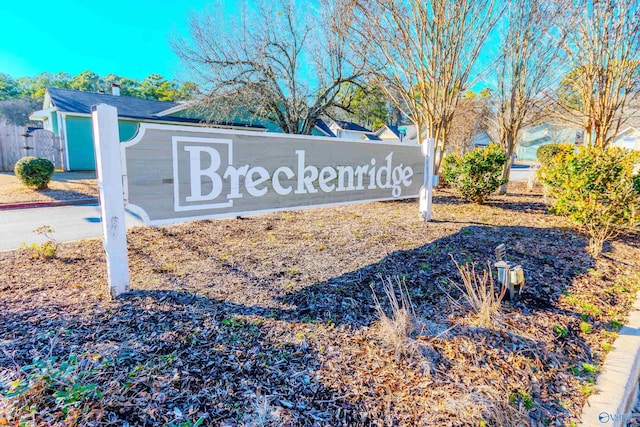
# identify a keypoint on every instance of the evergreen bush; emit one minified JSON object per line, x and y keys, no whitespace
{"x":34,"y":171}
{"x":475,"y":174}
{"x":597,"y":189}
{"x":547,"y":152}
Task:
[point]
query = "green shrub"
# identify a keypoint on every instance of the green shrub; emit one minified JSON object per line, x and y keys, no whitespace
{"x":547,"y":152}
{"x":34,"y":171}
{"x":62,"y":387}
{"x":475,"y":174}
{"x":48,"y":249}
{"x":597,"y":190}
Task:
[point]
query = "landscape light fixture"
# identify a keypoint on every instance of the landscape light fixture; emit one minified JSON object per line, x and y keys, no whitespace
{"x":510,"y":275}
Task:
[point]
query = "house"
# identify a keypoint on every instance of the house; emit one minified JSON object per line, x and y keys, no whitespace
{"x":67,"y":113}
{"x":348,"y":130}
{"x":391,"y":133}
{"x":371,"y":137}
{"x":534,"y":137}
{"x":480,"y":140}
{"x":322,"y":129}
{"x":629,"y":138}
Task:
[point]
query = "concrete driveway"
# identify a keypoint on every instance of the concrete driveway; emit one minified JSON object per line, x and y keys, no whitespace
{"x":69,"y":222}
{"x":521,"y":172}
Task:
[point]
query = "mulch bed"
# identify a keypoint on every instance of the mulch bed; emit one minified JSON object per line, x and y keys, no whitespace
{"x":271,"y":320}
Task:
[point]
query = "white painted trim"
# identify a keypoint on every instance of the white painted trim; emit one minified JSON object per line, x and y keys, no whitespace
{"x":362,"y":132}
{"x":426,"y":192}
{"x":180,"y":107}
{"x":625,"y":130}
{"x":125,"y":176}
{"x":267,"y":135}
{"x":47,"y":100}
{"x":41,"y":114}
{"x":141,"y":212}
{"x":167,"y":122}
{"x":62,"y":129}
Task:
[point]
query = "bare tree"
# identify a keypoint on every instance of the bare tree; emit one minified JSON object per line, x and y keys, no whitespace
{"x":603,"y":51}
{"x":470,"y":118}
{"x":424,"y":54}
{"x":525,"y":68}
{"x":279,"y":63}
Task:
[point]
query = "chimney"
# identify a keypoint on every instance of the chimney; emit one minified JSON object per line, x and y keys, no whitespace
{"x":115,"y":89}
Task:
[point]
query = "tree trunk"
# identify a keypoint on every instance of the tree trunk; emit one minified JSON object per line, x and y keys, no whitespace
{"x":601,"y":138}
{"x":437,"y":136}
{"x":506,"y":170}
{"x":587,"y":135}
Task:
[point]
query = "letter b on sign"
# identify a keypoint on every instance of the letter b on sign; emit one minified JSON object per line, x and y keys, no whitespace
{"x":199,"y":155}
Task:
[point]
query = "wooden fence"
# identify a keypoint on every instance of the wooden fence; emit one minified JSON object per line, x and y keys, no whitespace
{"x":17,"y":142}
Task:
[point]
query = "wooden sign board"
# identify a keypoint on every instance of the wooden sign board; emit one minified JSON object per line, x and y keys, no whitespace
{"x":171,"y":174}
{"x":177,"y":173}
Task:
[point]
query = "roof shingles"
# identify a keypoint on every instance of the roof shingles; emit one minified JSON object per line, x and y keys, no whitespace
{"x":79,"y":102}
{"x":75,"y":101}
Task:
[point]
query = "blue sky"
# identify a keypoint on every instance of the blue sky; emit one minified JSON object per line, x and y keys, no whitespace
{"x":125,"y":37}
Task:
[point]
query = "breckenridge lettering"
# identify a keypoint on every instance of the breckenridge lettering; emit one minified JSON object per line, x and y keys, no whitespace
{"x":257,"y":181}
{"x":195,"y":153}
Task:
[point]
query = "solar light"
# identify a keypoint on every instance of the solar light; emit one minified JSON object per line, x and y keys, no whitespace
{"x":510,"y":275}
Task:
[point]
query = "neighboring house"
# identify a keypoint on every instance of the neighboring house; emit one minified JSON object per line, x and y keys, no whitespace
{"x":532,"y":138}
{"x":628,"y":138}
{"x":389,"y":133}
{"x":348,"y":130}
{"x":372,"y":137}
{"x":322,"y":129}
{"x":535,"y":137}
{"x":67,"y":113}
{"x":480,"y":140}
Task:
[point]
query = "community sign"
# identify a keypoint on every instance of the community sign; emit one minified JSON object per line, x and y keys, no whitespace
{"x":169,"y":174}
{"x":177,"y":173}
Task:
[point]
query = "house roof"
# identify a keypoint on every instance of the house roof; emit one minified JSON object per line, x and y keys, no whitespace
{"x":75,"y":101}
{"x":371,"y":137}
{"x":393,"y":129}
{"x":632,"y":122}
{"x":324,"y":127}
{"x":343,"y":124}
{"x":480,"y":139}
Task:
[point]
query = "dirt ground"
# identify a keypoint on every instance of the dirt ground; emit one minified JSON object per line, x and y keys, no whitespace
{"x":271,"y":321}
{"x":63,"y":186}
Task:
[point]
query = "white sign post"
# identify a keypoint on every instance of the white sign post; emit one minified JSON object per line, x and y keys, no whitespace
{"x":426,"y":192}
{"x":109,"y":173}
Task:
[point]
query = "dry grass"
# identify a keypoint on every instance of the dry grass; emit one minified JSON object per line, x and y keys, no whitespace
{"x":262,"y":414}
{"x":479,"y":294}
{"x":398,"y":328}
{"x":63,"y":186}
